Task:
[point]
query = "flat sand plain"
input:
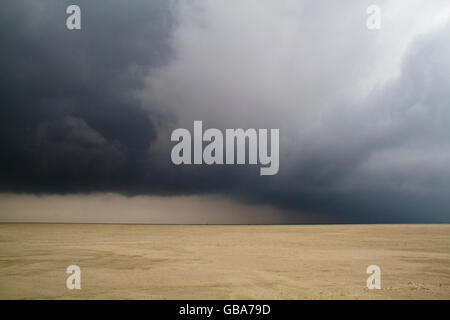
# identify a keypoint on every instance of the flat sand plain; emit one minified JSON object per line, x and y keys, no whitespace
{"x":224,"y":262}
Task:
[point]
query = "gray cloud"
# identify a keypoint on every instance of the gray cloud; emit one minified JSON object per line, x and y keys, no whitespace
{"x":69,"y":119}
{"x":363,"y":115}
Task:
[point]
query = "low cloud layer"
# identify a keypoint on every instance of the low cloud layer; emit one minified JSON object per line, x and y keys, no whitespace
{"x":363,"y":115}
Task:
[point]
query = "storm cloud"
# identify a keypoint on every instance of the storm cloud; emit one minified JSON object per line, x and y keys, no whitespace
{"x":69,"y":118}
{"x":363,"y":115}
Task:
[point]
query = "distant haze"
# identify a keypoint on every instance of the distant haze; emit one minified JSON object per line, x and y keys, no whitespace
{"x":116,"y":208}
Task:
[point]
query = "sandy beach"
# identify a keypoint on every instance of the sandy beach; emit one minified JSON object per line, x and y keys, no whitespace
{"x":224,"y":262}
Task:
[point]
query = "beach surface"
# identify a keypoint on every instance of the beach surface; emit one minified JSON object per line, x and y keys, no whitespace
{"x":224,"y":262}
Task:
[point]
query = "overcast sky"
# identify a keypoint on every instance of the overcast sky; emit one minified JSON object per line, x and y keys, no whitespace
{"x":364,"y":115}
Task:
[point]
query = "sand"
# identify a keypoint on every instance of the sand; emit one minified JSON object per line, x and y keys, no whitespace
{"x":224,"y":262}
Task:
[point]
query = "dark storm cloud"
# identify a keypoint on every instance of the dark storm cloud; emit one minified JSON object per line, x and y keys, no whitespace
{"x":69,"y":119}
{"x":387,"y":158}
{"x":92,"y":110}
